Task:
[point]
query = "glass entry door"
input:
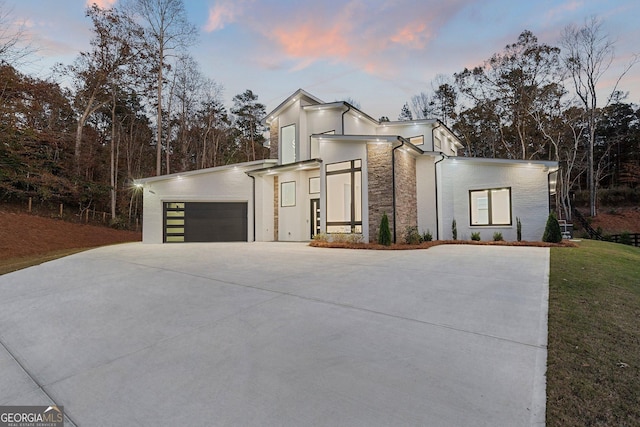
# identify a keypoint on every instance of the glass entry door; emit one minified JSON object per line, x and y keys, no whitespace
{"x":315,"y":217}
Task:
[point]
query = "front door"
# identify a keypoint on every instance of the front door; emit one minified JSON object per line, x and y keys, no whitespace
{"x":315,"y":217}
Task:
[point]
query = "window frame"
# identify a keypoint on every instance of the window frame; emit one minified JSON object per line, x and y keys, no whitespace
{"x":282,"y":144}
{"x":490,"y":222}
{"x":282,"y":188}
{"x":354,"y":167}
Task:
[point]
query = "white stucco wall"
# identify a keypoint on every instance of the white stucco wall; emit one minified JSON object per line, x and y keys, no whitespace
{"x":408,"y":130}
{"x":354,"y":125}
{"x":425,"y":188}
{"x":264,"y":210}
{"x":529,"y":196}
{"x":294,"y":222}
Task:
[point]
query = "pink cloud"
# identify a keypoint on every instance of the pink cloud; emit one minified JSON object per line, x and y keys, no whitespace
{"x":569,"y":6}
{"x":311,"y":41}
{"x":413,"y":35}
{"x":103,"y":4}
{"x":222,"y":13}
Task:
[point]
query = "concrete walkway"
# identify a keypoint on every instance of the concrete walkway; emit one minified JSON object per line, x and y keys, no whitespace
{"x":279,"y":334}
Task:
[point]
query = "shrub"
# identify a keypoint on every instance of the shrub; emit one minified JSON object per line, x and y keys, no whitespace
{"x":497,"y":237}
{"x":552,"y":233}
{"x":518,"y":229}
{"x":454,"y":230}
{"x":411,"y":236}
{"x":427,"y":236}
{"x":625,"y":238}
{"x":384,"y":235}
{"x":475,"y":236}
{"x":321,"y":237}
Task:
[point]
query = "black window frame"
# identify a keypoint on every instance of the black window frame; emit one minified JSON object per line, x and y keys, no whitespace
{"x":352,"y":171}
{"x":490,"y":207}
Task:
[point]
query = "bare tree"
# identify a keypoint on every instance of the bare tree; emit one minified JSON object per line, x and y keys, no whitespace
{"x":588,"y":54}
{"x":166,"y":29}
{"x":94,"y":72}
{"x":13,"y":38}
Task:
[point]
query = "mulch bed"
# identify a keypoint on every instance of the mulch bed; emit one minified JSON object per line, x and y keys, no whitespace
{"x":427,"y":245}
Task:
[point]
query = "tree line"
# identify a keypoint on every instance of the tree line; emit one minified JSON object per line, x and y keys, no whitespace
{"x":135,"y":104}
{"x":534,"y":101}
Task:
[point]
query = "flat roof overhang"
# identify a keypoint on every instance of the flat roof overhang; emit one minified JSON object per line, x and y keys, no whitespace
{"x":297,"y":166}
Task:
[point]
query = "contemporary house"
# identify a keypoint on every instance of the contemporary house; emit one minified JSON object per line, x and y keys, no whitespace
{"x":335,"y":169}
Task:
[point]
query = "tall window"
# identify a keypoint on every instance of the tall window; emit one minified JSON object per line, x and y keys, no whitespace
{"x":490,"y":207}
{"x":344,"y":197}
{"x":288,"y":144}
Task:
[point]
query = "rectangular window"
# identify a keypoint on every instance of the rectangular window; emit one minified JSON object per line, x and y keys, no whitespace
{"x":288,"y":143}
{"x":344,"y":197}
{"x":314,"y":185}
{"x":490,"y":207}
{"x":174,"y":222}
{"x":288,"y":194}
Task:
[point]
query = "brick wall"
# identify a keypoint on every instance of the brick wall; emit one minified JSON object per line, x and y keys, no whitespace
{"x":406,"y":193}
{"x":274,"y":138}
{"x":380,"y":187}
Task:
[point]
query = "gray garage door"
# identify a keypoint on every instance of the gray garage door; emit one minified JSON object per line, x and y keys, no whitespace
{"x":205,"y":222}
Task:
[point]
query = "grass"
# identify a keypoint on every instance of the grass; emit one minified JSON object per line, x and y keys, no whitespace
{"x":13,"y":264}
{"x":593,"y":367}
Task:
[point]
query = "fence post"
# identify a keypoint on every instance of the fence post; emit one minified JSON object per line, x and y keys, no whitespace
{"x":104,"y":216}
{"x":61,"y":209}
{"x":29,"y":210}
{"x":86,"y":217}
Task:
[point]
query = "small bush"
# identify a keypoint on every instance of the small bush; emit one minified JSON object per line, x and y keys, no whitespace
{"x":384,"y":235}
{"x":321,"y":237}
{"x":497,"y":237}
{"x":552,"y":233}
{"x":454,"y":230}
{"x":411,"y":236}
{"x":427,"y":236}
{"x":354,"y":238}
{"x":518,"y":229}
{"x":625,"y":238}
{"x":475,"y":236}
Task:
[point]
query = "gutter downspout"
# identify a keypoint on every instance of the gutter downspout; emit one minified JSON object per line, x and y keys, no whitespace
{"x":343,"y":113}
{"x":435,"y":172}
{"x":393,"y":183}
{"x":253,"y":195}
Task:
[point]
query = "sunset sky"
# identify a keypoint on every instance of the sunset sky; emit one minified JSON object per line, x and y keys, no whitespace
{"x":378,"y":53}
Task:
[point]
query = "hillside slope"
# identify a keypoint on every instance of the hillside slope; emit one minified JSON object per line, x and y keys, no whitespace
{"x":22,"y":235}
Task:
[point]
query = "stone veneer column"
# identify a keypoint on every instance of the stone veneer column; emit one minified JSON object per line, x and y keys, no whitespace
{"x":276,"y":202}
{"x":380,"y":187}
{"x":406,"y":197}
{"x":274,"y":138}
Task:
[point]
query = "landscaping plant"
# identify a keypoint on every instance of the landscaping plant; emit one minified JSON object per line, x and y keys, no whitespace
{"x":384,"y":235}
{"x":518,"y":229}
{"x":497,"y":237}
{"x":454,"y":230}
{"x":552,"y":233}
{"x":475,"y":236}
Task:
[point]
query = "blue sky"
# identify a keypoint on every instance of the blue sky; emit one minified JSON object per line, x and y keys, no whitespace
{"x":378,"y":53}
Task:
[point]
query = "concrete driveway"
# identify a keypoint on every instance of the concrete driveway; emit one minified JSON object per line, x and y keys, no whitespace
{"x":279,"y":334}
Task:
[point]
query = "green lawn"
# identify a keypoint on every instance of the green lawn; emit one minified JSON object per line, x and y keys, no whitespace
{"x":593,"y":376}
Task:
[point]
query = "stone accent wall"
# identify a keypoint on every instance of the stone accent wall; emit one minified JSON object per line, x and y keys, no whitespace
{"x":380,"y":187}
{"x":406,"y":193}
{"x":274,"y":138}
{"x":276,"y":203}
